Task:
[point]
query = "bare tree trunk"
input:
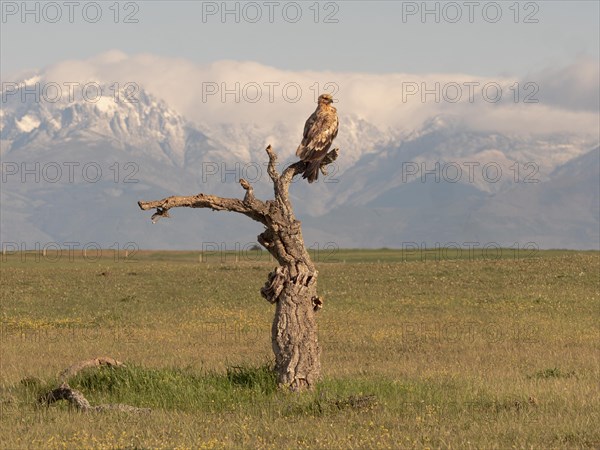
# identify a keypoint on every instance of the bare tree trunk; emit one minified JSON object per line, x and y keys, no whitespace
{"x":293,"y":285}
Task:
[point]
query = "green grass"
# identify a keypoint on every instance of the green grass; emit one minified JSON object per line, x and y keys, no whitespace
{"x":462,"y":352}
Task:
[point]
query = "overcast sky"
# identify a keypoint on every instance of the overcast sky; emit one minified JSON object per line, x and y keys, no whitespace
{"x":479,"y":38}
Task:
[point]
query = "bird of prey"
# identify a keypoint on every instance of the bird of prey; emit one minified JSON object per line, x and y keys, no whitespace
{"x":320,"y":130}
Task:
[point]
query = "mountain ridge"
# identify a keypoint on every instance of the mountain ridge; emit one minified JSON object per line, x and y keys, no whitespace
{"x":402,"y":173}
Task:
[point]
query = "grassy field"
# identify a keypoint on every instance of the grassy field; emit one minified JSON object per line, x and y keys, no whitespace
{"x":438,"y":349}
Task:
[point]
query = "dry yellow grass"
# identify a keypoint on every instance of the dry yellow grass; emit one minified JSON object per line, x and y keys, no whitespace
{"x":459,"y":353}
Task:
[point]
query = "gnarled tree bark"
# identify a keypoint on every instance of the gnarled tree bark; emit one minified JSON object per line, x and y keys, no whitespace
{"x":292,"y":286}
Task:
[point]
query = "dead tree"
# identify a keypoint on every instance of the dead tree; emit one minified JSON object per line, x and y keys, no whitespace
{"x":76,"y":398}
{"x":292,"y":286}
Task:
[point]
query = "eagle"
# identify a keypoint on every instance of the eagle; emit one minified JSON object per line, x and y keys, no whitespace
{"x":320,"y":130}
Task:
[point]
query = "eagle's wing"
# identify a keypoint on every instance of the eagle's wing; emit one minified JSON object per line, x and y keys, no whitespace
{"x":308,"y":125}
{"x":301,"y":150}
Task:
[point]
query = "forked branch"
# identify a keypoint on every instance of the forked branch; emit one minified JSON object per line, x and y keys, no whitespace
{"x":250,"y":205}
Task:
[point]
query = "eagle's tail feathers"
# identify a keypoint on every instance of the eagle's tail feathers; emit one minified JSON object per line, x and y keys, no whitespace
{"x":312,"y":171}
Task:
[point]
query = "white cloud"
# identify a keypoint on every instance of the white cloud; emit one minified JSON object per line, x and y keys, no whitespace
{"x":575,"y":87}
{"x":223,"y":92}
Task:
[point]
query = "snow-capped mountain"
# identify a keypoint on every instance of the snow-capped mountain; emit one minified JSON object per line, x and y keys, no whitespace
{"x":74,"y":169}
{"x":116,"y":117}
